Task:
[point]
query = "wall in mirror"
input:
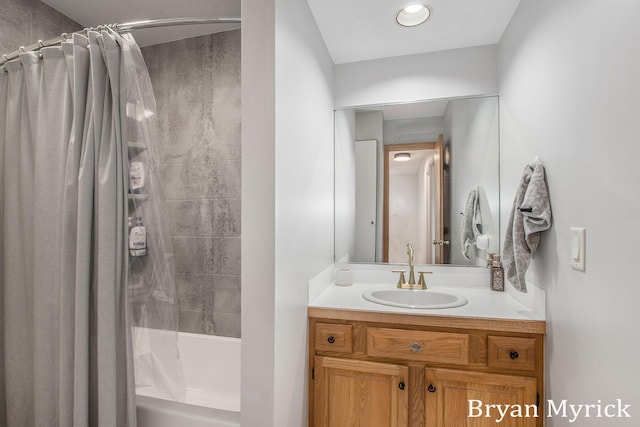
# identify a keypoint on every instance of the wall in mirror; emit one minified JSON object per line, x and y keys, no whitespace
{"x":443,"y":198}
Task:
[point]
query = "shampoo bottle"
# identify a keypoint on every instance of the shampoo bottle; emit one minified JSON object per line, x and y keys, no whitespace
{"x":137,"y":237}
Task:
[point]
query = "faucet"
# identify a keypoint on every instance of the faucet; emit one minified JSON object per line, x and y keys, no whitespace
{"x":411,"y":284}
{"x":412,"y":277}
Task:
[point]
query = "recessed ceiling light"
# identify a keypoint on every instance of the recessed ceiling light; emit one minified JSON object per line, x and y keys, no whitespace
{"x":412,"y":15}
{"x":402,"y":157}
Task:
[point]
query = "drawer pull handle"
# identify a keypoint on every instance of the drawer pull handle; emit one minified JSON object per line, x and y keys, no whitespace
{"x":415,"y":347}
{"x":431,"y":388}
{"x":402,"y":385}
{"x":331,"y":340}
{"x":514,"y":355}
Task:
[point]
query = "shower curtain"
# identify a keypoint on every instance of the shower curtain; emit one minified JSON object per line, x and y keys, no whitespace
{"x":67,"y":302}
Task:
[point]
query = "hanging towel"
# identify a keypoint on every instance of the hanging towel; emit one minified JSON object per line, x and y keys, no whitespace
{"x":530,"y":215}
{"x":471,"y":223}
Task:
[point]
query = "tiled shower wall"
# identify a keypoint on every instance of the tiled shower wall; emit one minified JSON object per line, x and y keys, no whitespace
{"x":197,"y":87}
{"x":24,"y":22}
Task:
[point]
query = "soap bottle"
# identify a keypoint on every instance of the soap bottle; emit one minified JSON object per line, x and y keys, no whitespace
{"x":137,"y":237}
{"x":136,"y":177}
{"x":497,"y":274}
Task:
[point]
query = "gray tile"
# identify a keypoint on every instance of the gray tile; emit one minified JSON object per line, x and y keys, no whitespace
{"x":207,"y":255}
{"x":191,"y":292}
{"x":195,"y":321}
{"x":226,"y":217}
{"x":200,"y":139}
{"x":227,"y":324}
{"x":47,"y":23}
{"x":224,"y":58}
{"x":225,"y":102}
{"x":204,"y":217}
{"x":225,"y":294}
{"x":193,"y":218}
{"x":197,"y":88}
{"x":15,"y":23}
{"x":216,"y":179}
{"x":202,"y":291}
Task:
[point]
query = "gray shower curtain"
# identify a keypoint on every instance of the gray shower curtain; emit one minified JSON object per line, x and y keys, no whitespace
{"x":65,"y":340}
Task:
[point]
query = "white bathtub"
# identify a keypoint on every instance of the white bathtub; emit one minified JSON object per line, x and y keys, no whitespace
{"x":211,"y":367}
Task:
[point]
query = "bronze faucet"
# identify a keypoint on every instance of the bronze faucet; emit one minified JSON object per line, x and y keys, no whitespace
{"x":411,"y":284}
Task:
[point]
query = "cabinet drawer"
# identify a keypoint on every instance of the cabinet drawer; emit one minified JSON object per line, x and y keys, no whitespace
{"x":333,"y":337}
{"x":512,"y":353}
{"x":435,"y":347}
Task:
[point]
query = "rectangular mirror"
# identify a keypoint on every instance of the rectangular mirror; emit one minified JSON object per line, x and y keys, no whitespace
{"x":425,"y":173}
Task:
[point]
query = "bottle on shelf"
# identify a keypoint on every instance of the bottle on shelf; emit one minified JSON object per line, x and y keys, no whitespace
{"x":136,"y":177}
{"x":137,"y":237}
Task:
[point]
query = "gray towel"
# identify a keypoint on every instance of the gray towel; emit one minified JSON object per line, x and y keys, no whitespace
{"x":530,"y":215}
{"x":471,"y":223}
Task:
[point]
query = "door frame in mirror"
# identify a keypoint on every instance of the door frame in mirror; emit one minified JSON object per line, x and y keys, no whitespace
{"x":437,"y":146}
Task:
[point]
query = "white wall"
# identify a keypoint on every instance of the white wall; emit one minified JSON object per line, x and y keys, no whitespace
{"x":403,"y":221}
{"x":407,"y":131}
{"x":369,"y":125}
{"x":472,"y":132}
{"x":287,"y":203}
{"x":345,"y":184}
{"x":446,"y":74}
{"x":570,"y":85}
{"x":304,"y":195}
{"x":258,"y":212}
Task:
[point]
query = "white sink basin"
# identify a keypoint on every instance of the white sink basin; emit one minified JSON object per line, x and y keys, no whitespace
{"x":407,"y":298}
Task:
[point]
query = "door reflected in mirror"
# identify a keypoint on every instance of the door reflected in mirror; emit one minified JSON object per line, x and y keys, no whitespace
{"x":441,"y":200}
{"x":413,"y":203}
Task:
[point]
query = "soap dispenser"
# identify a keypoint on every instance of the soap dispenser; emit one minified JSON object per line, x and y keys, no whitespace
{"x":497,"y":274}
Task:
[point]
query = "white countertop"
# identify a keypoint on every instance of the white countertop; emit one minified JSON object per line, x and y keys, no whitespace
{"x":482,"y":301}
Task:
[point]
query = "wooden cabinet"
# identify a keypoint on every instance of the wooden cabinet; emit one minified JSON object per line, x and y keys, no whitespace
{"x":387,"y":369}
{"x":359,"y":393}
{"x":457,"y":398}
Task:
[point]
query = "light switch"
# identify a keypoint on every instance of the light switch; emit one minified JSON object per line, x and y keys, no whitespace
{"x":577,"y":255}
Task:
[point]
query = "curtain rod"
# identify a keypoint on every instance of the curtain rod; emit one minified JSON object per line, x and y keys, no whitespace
{"x":153,"y":23}
{"x":127,"y":26}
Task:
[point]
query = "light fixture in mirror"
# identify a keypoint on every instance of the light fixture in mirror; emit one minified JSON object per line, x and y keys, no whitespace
{"x":458,"y":147}
{"x":402,"y":157}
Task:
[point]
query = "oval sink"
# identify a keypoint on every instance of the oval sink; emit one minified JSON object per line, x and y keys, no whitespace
{"x":407,"y":298}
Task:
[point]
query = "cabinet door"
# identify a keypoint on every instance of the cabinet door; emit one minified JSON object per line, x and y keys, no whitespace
{"x":471,"y":399}
{"x":354,"y":393}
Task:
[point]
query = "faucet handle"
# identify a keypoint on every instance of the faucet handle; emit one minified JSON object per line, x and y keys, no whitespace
{"x":421,"y":282}
{"x":401,"y":280}
{"x":490,"y":257}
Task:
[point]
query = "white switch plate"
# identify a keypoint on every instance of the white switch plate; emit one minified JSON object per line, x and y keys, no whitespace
{"x":577,"y":255}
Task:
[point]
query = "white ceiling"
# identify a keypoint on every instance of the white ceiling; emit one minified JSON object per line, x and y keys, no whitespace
{"x":358,"y":30}
{"x":412,"y":110}
{"x":412,"y":167}
{"x":353,"y":30}
{"x":90,"y":13}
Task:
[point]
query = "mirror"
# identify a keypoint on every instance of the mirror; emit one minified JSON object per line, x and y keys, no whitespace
{"x":444,"y":199}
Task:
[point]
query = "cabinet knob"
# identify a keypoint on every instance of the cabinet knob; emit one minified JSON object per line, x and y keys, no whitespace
{"x":431,"y":388}
{"x":514,"y":355}
{"x":415,"y":347}
{"x":402,"y":385}
{"x":331,"y":340}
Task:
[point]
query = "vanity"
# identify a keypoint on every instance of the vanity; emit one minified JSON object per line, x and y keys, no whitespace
{"x":379,"y":365}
